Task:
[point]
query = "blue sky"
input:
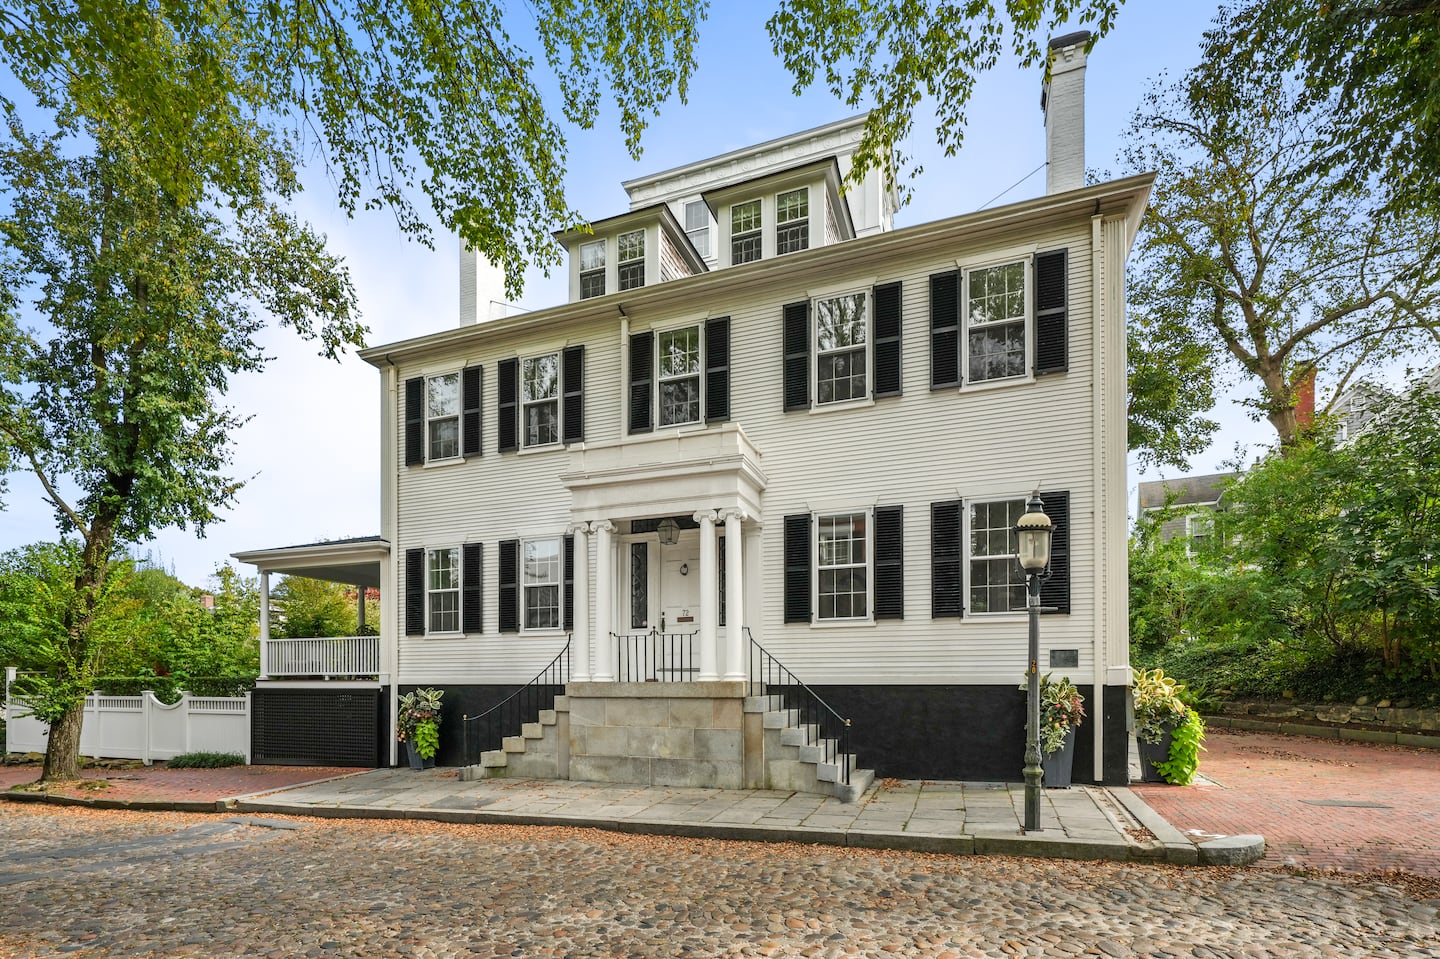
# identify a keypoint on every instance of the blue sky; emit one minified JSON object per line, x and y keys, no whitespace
{"x":310,"y":452}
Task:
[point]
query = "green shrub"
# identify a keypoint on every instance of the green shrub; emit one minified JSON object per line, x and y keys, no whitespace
{"x":1185,"y":747}
{"x":206,"y":760}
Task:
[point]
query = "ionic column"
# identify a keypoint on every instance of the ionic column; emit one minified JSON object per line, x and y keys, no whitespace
{"x":604,"y":666}
{"x":580,"y":638}
{"x":264,"y":623}
{"x":734,"y":597}
{"x":709,"y":597}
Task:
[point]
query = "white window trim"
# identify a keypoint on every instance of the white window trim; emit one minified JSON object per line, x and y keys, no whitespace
{"x":660,"y":331}
{"x":868,"y":399}
{"x":559,"y":583}
{"x":759,"y":231}
{"x":459,"y":591}
{"x":806,"y":219}
{"x":558,"y":400}
{"x":969,"y":556}
{"x":642,"y":259}
{"x":1027,"y":320}
{"x":1209,"y":517}
{"x":459,"y":418}
{"x":709,"y":228}
{"x":603,"y":270}
{"x":869,"y":618}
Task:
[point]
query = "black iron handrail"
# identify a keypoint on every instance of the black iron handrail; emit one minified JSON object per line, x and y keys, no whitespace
{"x":523,"y":706}
{"x":769,"y":677}
{"x":654,"y":656}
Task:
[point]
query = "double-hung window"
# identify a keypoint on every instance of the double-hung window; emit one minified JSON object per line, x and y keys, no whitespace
{"x":842,"y":551}
{"x":1199,"y":527}
{"x":697,"y":226}
{"x":841,"y":348}
{"x":792,"y":221}
{"x":442,"y":416}
{"x":541,"y":583}
{"x":443,"y":590}
{"x":540,"y":399}
{"x":997,"y":583}
{"x":996,"y":307}
{"x":745,"y":234}
{"x":631,"y":260}
{"x":592,"y":269}
{"x":678,"y":368}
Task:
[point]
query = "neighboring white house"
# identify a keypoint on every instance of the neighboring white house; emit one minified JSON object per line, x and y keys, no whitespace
{"x":766,"y":417}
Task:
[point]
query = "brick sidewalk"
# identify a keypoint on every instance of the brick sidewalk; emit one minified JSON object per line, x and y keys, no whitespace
{"x":1319,"y":803}
{"x":158,"y":784}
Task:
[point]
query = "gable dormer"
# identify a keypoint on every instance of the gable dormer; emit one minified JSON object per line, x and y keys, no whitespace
{"x":627,"y":252}
{"x":786,"y":212}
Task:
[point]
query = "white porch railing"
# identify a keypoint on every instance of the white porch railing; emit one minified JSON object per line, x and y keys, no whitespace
{"x":336,"y":656}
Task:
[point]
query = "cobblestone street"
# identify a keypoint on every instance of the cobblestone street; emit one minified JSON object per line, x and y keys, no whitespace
{"x":97,"y":883}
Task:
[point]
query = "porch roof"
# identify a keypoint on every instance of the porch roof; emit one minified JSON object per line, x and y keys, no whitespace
{"x":355,"y":561}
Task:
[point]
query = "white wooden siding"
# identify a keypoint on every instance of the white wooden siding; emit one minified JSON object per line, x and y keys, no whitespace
{"x":921,"y":447}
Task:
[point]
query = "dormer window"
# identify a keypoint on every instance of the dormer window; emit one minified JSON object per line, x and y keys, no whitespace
{"x":697,"y":226}
{"x":744,"y":232}
{"x":632,"y":260}
{"x":592,"y":268}
{"x":792,"y":221}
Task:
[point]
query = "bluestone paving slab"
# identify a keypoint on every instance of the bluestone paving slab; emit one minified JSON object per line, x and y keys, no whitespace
{"x":960,"y":818}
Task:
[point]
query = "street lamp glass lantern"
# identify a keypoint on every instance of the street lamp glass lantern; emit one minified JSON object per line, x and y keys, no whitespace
{"x":668,"y":532}
{"x":1032,"y":536}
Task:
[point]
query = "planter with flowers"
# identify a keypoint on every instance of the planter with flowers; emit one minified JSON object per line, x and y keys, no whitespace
{"x":1169,"y":733}
{"x":1061,"y":710}
{"x":417,"y":725}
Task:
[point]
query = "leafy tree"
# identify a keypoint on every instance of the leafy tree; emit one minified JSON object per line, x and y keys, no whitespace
{"x":1259,"y":266}
{"x":313,"y":607}
{"x":152,"y":300}
{"x":392,"y":97}
{"x":1372,"y":65}
{"x":1171,"y":387}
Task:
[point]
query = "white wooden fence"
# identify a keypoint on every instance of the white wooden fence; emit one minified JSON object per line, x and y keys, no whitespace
{"x":142,"y":727}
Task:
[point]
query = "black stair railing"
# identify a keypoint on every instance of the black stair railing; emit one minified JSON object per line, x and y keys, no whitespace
{"x":656,"y":657}
{"x":769,"y":677}
{"x":489,"y":729}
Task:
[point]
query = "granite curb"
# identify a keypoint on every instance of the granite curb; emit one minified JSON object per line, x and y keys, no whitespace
{"x":1237,"y":850}
{"x":1038,"y":846}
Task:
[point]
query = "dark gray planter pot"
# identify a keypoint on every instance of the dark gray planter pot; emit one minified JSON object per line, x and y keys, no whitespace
{"x":416,"y":761}
{"x":1059,"y":764}
{"x":1151,"y":755}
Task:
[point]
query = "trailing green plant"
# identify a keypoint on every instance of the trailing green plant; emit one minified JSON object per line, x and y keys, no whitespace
{"x":203,"y":760}
{"x":1061,"y":709}
{"x":1158,"y":706}
{"x":417,"y":721}
{"x":1185,"y":746}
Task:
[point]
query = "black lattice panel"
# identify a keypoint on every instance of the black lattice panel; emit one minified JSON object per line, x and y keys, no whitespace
{"x":316,"y":727}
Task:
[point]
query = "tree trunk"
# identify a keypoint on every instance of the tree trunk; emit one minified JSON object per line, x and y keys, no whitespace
{"x":62,"y":755}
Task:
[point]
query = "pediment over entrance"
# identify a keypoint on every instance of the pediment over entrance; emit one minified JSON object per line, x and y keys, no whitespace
{"x":712,"y":468}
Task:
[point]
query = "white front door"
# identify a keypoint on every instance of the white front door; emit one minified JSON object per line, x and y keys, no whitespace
{"x":679,"y":584}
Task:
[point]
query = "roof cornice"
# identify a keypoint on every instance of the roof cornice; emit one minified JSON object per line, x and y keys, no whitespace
{"x":1126,"y":197}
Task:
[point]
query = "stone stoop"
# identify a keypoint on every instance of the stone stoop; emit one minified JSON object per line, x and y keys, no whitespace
{"x":534,"y":754}
{"x":795,"y":755}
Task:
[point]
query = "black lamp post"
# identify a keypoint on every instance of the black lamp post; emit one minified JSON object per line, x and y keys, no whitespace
{"x":1032,"y":537}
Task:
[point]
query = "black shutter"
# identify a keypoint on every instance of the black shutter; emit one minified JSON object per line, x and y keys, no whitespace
{"x":887,"y":340}
{"x":510,"y":586}
{"x":642,"y":368}
{"x":717,"y":369}
{"x":567,"y":601}
{"x":797,"y":568}
{"x":797,"y":356}
{"x":471,"y":582}
{"x":946,"y":581}
{"x":509,"y":418}
{"x":1055,"y":591}
{"x":1052,"y":352}
{"x":889,"y":562}
{"x":470,"y":417}
{"x":572,"y":386}
{"x":945,"y":330}
{"x":414,"y":592}
{"x":415,"y":421}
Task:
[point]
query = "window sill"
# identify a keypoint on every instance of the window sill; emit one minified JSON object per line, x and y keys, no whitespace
{"x":841,"y":623}
{"x":455,"y":634}
{"x":543,"y":448}
{"x":447,"y":461}
{"x":543,"y":631}
{"x":1009,"y":616}
{"x":842,"y":405}
{"x":997,"y":384}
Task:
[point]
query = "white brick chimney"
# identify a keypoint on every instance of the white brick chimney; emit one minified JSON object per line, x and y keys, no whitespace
{"x":482,"y":288}
{"x":1062,"y":98}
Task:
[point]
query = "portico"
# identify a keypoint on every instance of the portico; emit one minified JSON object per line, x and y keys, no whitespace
{"x":672,"y":520}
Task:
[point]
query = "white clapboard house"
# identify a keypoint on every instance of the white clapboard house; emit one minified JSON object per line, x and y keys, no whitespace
{"x":739,"y":513}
